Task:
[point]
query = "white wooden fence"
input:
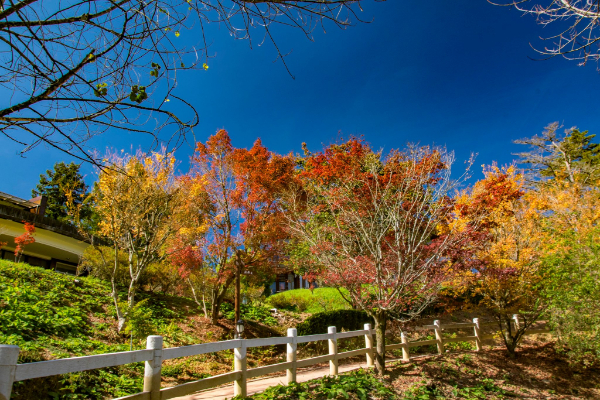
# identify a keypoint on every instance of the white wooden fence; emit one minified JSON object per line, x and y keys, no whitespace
{"x":154,"y":355}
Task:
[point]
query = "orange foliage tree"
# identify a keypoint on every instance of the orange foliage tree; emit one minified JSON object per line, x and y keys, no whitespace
{"x":506,"y":275}
{"x":377,"y":226}
{"x":24,"y":240}
{"x":244,"y":220}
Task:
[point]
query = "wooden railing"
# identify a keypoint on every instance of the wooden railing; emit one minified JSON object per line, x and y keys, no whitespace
{"x":155,"y":354}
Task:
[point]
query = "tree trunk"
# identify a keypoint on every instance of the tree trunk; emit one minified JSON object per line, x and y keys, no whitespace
{"x":121,"y":318}
{"x":204,"y":306}
{"x":380,"y":318}
{"x":214,"y":311}
{"x":238,"y":290}
{"x":215,"y":307}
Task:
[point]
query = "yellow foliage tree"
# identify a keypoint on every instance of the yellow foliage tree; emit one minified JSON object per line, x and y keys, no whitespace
{"x":141,"y":207}
{"x":506,"y":274}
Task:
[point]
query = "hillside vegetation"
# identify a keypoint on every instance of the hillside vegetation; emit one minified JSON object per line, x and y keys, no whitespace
{"x":50,"y":315}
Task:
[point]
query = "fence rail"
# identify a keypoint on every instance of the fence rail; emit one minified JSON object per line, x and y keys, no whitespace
{"x":154,"y":355}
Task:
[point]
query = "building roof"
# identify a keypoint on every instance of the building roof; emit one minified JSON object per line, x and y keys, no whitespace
{"x":18,"y":201}
{"x":19,"y":211}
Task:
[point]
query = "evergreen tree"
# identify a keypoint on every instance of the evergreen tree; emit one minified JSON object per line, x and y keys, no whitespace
{"x":572,"y":156}
{"x":55,"y":184}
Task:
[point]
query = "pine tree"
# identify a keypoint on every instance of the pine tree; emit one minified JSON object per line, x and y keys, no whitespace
{"x":55,"y":184}
{"x":572,"y":156}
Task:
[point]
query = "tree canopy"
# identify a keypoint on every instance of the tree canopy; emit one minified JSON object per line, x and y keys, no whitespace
{"x":58,"y":184}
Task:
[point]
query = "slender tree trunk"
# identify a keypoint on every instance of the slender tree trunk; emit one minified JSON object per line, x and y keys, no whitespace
{"x":217,"y":300}
{"x":510,"y":338}
{"x":121,"y":317}
{"x":203,"y":305}
{"x":238,"y":290}
{"x":380,"y":318}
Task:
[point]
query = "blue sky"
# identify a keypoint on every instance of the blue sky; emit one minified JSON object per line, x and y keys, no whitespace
{"x":454,"y":73}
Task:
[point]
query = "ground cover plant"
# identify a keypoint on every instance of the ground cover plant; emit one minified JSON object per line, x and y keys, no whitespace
{"x":358,"y":384}
{"x":51,"y":316}
{"x":309,"y":300}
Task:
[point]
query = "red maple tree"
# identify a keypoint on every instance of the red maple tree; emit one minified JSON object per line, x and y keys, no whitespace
{"x":377,"y":226}
{"x":245,"y":229}
{"x":24,"y":239}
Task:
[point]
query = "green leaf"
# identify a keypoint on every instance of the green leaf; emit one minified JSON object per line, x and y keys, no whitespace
{"x":138,"y":94}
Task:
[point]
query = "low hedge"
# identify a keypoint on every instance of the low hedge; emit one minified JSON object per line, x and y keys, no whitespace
{"x":348,"y":320}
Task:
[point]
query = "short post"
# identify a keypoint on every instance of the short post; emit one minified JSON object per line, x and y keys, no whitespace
{"x":239,"y":364}
{"x":292,"y":355}
{"x":477,"y":334}
{"x":369,"y":346}
{"x":438,"y":336}
{"x":333,"y":364}
{"x":153,"y":367}
{"x":515,"y":318}
{"x":405,"y":349}
{"x":9,"y":355}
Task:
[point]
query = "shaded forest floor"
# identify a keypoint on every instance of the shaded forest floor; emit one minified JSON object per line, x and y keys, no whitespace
{"x":537,"y":372}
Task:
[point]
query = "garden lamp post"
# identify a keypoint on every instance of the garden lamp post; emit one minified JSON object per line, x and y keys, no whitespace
{"x":239,"y":328}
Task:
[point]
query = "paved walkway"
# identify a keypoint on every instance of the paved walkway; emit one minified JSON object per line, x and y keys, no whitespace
{"x":259,"y":385}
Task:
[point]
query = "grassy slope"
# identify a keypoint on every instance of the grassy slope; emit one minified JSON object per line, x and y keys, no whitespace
{"x":305,"y":300}
{"x":52,"y":316}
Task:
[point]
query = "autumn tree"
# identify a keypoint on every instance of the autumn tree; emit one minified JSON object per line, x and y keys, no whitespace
{"x":138,"y":200}
{"x":78,"y":69}
{"x":55,"y":184}
{"x":565,"y":172}
{"x":570,"y":253}
{"x":245,"y":232}
{"x":506,"y":276}
{"x":377,"y":225}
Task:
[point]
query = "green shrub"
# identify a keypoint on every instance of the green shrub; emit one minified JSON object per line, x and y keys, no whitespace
{"x":349,"y":320}
{"x":356,"y":384}
{"x":249,"y":312}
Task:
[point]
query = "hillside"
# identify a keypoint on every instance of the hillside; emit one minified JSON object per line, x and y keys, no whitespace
{"x":50,"y":315}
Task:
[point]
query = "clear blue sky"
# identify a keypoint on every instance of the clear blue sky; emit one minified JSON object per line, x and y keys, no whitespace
{"x":454,"y":73}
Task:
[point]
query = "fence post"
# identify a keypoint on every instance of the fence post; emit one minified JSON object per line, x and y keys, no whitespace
{"x":9,"y":355}
{"x":438,"y":336}
{"x":333,"y":364}
{"x":292,"y":355}
{"x":477,"y":334}
{"x":405,"y":349}
{"x":239,"y":364}
{"x":515,"y":318}
{"x":369,"y":346}
{"x":153,"y":367}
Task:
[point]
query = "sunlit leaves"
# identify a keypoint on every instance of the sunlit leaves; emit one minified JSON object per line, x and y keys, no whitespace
{"x":101,"y":89}
{"x":138,"y":94}
{"x":155,"y":70}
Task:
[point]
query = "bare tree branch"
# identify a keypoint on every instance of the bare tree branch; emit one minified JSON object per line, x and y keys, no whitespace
{"x":72,"y":70}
